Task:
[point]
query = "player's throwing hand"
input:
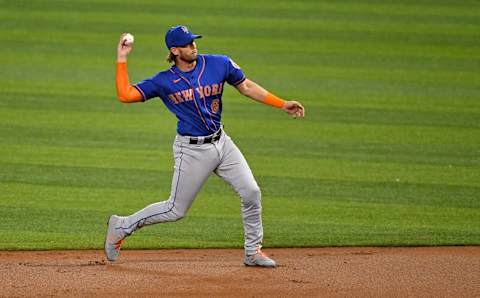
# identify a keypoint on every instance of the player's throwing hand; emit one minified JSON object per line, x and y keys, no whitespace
{"x":123,"y":48}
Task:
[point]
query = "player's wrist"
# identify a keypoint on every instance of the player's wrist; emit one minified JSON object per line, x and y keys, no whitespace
{"x":121,"y":58}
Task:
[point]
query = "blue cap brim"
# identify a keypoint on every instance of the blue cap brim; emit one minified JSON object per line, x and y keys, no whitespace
{"x":193,"y":37}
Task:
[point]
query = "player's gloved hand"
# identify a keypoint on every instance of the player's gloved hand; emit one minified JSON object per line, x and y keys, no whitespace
{"x":294,"y":109}
{"x":123,"y":49}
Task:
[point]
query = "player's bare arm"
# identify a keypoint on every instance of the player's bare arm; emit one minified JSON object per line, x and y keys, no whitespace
{"x":125,"y":92}
{"x":258,"y":93}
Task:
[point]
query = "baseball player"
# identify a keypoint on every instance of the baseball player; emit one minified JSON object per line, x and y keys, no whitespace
{"x":192,"y":89}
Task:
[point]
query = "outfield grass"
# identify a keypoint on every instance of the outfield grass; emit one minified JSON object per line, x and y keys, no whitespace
{"x":388,"y":154}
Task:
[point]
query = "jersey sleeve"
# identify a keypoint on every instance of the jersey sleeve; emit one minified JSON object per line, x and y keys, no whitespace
{"x":235,"y":74}
{"x":148,"y":88}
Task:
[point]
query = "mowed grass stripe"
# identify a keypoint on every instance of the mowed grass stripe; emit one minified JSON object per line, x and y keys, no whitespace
{"x":326,"y":192}
{"x":314,"y":11}
{"x":373,"y":72}
{"x":334,"y":137}
{"x":328,"y":92}
{"x":401,"y":224}
{"x":110,"y":154}
{"x":328,"y":132}
{"x":409,"y":222}
{"x":419,"y":33}
{"x":321,"y":43}
{"x":376,"y":53}
{"x":85,"y":115}
{"x":410,"y":8}
{"x":366,"y":68}
{"x":368,"y":110}
{"x":460,"y":162}
{"x":91,"y":176}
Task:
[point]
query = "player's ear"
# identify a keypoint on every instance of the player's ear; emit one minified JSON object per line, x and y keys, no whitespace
{"x":174,"y":51}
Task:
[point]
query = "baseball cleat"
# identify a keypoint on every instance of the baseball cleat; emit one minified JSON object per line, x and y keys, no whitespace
{"x":114,"y":238}
{"x":259,"y":259}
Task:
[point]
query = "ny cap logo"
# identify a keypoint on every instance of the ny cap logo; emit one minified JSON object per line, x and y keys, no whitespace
{"x":184,"y":29}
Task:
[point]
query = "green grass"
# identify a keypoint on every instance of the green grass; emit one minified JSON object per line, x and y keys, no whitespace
{"x":388,"y":154}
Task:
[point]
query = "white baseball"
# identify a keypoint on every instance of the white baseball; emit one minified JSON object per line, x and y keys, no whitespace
{"x":128,"y":39}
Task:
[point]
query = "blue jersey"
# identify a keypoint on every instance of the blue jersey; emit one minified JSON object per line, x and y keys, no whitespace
{"x":195,"y":97}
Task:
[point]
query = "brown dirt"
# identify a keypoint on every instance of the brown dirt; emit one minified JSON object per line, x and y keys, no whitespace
{"x":312,"y":272}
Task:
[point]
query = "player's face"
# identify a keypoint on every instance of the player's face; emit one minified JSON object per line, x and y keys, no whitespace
{"x":188,"y":53}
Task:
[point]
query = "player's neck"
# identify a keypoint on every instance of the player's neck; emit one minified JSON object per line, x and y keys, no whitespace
{"x":185,"y":66}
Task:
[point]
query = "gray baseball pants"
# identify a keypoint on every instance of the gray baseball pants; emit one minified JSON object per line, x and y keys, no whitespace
{"x":193,"y":165}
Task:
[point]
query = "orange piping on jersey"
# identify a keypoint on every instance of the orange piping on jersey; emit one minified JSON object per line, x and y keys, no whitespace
{"x":203,"y":95}
{"x":194,"y":99}
{"x":125,"y":91}
{"x":273,"y":101}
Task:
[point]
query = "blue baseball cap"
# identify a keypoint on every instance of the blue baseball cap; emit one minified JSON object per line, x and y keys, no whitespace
{"x":179,"y":36}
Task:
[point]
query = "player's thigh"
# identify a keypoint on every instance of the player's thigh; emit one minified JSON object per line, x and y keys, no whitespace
{"x":235,"y":170}
{"x":192,"y":168}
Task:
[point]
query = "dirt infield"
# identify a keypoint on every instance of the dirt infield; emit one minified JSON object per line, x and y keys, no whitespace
{"x":317,"y":272}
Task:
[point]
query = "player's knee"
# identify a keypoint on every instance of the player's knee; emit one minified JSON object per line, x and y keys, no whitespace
{"x":178,"y":214}
{"x":252,"y":195}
